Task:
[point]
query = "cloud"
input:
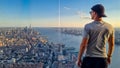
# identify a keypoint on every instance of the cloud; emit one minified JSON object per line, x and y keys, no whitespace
{"x":67,"y":8}
{"x":82,"y":15}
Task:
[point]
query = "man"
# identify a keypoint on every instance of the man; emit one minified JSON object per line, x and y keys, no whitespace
{"x":96,"y":34}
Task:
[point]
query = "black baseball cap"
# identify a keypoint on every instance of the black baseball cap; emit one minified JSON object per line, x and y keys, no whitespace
{"x":99,"y":9}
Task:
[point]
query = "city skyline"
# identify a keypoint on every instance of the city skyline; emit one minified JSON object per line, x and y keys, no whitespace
{"x":54,"y":13}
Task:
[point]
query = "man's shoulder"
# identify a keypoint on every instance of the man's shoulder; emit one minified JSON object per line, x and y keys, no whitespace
{"x":89,"y":24}
{"x":108,"y":25}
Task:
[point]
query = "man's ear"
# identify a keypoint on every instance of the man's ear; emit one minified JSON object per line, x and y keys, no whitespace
{"x":94,"y":13}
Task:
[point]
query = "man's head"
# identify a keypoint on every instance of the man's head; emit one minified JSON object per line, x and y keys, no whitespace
{"x":98,"y":10}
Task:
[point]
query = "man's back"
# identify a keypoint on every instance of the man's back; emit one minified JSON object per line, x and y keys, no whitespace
{"x":98,"y":33}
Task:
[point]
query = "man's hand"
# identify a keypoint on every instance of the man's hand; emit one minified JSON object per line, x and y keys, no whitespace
{"x":109,"y":60}
{"x":78,"y":63}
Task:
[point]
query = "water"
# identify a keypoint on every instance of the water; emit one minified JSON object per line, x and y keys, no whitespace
{"x":57,"y":37}
{"x":74,"y":41}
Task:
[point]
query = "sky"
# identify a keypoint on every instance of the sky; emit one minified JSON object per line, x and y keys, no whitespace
{"x":55,"y":13}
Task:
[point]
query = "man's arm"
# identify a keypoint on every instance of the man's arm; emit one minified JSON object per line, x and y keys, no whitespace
{"x":110,"y":48}
{"x":82,"y":49}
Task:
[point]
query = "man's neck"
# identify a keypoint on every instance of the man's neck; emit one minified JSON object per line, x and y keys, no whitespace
{"x":98,"y":19}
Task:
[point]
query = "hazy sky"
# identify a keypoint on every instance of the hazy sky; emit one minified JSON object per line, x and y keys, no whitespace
{"x":54,"y":13}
